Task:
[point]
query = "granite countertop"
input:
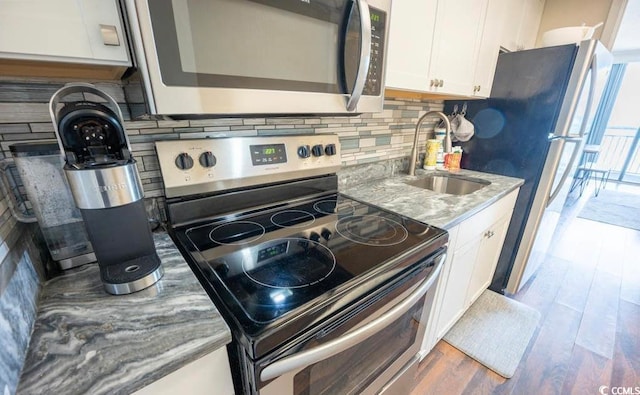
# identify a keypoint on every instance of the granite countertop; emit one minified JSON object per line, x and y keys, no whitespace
{"x":441,"y":210}
{"x":86,"y":341}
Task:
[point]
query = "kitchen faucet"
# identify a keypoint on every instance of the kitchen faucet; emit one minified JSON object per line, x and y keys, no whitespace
{"x":447,"y":139}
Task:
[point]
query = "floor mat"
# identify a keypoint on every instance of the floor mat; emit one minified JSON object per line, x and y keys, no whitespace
{"x":615,"y":208}
{"x":495,"y":331}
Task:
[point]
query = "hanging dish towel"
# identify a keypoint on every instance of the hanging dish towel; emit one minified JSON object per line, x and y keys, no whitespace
{"x":462,"y":129}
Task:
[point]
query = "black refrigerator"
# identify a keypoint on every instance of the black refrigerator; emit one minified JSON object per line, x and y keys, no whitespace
{"x":533,"y":127}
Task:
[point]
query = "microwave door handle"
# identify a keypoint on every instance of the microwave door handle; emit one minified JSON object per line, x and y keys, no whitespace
{"x":365,"y":55}
{"x":352,"y":338}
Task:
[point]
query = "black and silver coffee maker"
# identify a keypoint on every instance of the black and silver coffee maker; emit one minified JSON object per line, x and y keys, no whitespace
{"x":106,"y":187}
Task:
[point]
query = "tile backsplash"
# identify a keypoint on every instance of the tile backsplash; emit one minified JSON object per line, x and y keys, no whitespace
{"x":366,"y":138}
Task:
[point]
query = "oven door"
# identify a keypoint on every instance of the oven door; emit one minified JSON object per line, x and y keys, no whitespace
{"x":260,"y":56}
{"x":363,"y":351}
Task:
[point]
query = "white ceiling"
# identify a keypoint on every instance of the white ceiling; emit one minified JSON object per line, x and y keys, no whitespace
{"x":628,"y":37}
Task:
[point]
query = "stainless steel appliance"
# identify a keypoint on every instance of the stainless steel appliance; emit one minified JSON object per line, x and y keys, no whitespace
{"x":39,"y":166}
{"x":541,"y":105}
{"x":231,"y":57}
{"x":106,"y":187}
{"x":323,"y":293}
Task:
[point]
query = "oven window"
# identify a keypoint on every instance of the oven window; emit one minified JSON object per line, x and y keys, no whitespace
{"x":256,"y":44}
{"x":351,"y":371}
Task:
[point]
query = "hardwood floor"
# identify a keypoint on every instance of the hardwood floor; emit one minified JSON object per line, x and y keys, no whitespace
{"x":588,"y":293}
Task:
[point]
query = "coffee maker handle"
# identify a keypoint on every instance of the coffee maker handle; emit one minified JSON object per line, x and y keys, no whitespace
{"x":11,"y":199}
{"x":79,"y":87}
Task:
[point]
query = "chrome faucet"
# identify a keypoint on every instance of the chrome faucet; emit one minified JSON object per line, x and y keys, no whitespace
{"x":447,"y":139}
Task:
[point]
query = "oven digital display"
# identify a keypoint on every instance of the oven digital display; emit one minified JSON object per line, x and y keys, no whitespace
{"x":273,"y":251}
{"x":268,"y":154}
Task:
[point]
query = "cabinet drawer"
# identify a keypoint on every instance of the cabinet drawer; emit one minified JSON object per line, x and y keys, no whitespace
{"x":485,"y":218}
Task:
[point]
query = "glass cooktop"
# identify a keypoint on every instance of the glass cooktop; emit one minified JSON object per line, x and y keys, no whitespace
{"x":269,"y":263}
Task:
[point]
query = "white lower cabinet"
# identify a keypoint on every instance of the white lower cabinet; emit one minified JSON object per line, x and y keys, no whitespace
{"x":489,"y":248}
{"x":430,"y":338}
{"x":473,"y":252}
{"x":208,"y":375}
{"x":454,"y":301}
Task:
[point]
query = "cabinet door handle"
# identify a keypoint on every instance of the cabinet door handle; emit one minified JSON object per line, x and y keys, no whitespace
{"x":489,"y":234}
{"x":432,"y":83}
{"x":441,"y":83}
{"x":109,"y":35}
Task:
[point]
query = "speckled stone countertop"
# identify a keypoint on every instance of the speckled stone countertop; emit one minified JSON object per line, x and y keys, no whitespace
{"x":86,"y":341}
{"x":444,"y":211}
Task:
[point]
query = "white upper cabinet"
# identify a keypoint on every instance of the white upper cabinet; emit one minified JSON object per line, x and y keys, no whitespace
{"x":489,"y":49}
{"x":103,"y":24}
{"x":410,"y":42}
{"x":434,"y":46}
{"x":457,"y":35}
{"x":451,"y":47}
{"x":521,"y":22}
{"x":530,"y":23}
{"x":73,"y":31}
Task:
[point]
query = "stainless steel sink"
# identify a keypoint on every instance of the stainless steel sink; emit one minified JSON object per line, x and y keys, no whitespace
{"x":449,"y":184}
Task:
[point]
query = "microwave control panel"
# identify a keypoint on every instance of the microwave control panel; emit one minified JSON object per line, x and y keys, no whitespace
{"x":373,"y":85}
{"x":210,"y":165}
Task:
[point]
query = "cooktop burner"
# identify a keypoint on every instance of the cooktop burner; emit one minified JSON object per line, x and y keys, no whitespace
{"x":330,"y":206}
{"x":292,"y":219}
{"x":304,"y":263}
{"x":272,"y":261}
{"x":236,"y":232}
{"x":371,"y":230}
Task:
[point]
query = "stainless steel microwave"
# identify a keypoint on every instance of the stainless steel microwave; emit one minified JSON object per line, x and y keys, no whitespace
{"x":244,"y":57}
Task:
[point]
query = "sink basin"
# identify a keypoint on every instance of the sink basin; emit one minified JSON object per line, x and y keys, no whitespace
{"x":449,"y":184}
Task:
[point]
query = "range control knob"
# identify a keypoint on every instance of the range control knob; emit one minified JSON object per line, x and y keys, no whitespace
{"x":303,"y":151}
{"x":326,"y":234}
{"x":314,"y":237}
{"x":207,"y":159}
{"x":317,"y":150}
{"x":330,"y":149}
{"x":184,"y":161}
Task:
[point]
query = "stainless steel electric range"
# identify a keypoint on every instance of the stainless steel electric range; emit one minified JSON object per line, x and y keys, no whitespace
{"x":324,"y":294}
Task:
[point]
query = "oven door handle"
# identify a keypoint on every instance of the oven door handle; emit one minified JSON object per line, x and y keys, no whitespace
{"x":352,"y":338}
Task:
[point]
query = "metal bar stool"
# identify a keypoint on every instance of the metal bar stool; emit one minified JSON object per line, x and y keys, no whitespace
{"x":589,"y":169}
{"x":600,"y":176}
